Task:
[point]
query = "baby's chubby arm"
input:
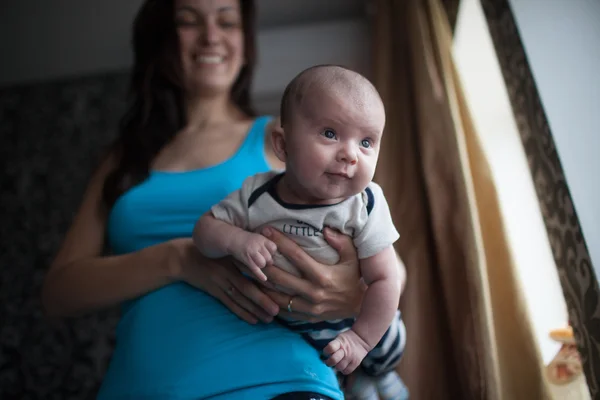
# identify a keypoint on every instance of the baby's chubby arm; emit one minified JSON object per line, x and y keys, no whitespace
{"x":381,"y":274}
{"x":215,"y":239}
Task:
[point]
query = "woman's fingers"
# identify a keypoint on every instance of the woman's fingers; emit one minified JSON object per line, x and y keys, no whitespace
{"x":236,"y":308}
{"x":290,"y":283}
{"x":281,"y":299}
{"x":294,"y":253}
{"x":342,"y":244}
{"x":227,"y":292}
{"x":224,"y":277}
{"x":300,"y":317}
{"x":249,"y":306}
{"x":338,"y":289}
{"x":302,"y":310}
{"x":222,"y":280}
{"x":300,"y":306}
{"x":249,"y":290}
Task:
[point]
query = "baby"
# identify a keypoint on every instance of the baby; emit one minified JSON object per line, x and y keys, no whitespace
{"x":332,"y":122}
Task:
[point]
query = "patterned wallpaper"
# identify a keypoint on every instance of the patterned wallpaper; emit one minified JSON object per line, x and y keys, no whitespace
{"x":52,"y":134}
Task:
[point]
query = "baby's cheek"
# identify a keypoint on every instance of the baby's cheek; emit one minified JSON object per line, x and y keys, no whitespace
{"x":369,"y":169}
{"x":313,"y":162}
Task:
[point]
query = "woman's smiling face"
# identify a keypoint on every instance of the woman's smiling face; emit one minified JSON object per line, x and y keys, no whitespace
{"x":211,"y":43}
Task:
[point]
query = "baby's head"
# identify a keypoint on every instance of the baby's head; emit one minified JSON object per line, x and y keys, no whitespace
{"x":332,"y":121}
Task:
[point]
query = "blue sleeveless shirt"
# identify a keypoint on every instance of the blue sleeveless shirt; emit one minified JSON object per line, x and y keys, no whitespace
{"x":178,"y":342}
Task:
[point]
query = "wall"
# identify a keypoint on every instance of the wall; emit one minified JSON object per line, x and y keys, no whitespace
{"x":561,"y":41}
{"x":341,"y":42}
{"x":493,"y":118}
{"x":71,"y":38}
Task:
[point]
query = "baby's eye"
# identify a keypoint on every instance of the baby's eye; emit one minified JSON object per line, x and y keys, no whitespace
{"x":329,"y":134}
{"x":366,"y":143}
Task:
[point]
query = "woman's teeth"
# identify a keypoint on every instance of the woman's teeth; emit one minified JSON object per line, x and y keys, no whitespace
{"x":209,"y":59}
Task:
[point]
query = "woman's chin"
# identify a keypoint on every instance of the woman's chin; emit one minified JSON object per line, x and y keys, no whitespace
{"x":212,"y":87}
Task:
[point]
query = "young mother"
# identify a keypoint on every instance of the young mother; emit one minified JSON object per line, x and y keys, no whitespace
{"x":192,"y":328}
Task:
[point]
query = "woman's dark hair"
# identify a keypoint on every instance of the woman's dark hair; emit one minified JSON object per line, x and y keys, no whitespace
{"x":156,"y":111}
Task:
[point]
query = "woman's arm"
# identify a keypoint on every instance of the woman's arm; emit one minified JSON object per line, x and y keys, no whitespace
{"x":223,"y":280}
{"x":80,"y":280}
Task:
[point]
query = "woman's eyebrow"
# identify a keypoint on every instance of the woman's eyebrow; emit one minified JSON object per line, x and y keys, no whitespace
{"x":186,"y":8}
{"x":192,"y":9}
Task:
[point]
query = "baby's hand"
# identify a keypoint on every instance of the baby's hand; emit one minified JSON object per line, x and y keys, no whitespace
{"x":346,"y":352}
{"x":255,"y":251}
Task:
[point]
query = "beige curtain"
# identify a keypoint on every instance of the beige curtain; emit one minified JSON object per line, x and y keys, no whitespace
{"x":469,"y":335}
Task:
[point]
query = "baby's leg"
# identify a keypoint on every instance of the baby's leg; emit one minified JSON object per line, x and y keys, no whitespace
{"x":388,"y":386}
{"x":359,"y":386}
{"x":391,"y":387}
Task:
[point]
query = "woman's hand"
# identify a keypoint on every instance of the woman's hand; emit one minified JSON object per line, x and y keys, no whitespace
{"x":222,"y":280}
{"x":324,"y":292}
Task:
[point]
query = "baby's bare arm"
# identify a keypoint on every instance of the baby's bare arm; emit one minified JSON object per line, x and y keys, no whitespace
{"x":215,"y":239}
{"x":380,"y":273}
{"x":379,"y":306}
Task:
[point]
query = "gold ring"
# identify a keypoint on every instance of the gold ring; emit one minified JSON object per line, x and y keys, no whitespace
{"x":290,"y":304}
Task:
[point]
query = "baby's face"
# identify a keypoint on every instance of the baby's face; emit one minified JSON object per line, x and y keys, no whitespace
{"x":333,"y":142}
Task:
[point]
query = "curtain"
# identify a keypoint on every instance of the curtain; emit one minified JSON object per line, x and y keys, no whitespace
{"x":576,"y":273}
{"x":468,"y":331}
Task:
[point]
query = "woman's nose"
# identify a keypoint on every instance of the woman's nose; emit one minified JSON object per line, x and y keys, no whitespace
{"x":210,"y":34}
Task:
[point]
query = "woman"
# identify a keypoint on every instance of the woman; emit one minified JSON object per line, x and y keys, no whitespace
{"x":188,"y":139}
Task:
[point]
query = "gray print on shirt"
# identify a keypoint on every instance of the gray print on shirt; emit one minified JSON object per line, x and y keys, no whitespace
{"x":302,"y":229}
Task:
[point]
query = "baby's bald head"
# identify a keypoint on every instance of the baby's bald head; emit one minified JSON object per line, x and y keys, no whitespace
{"x":328,"y":81}
{"x":332,"y":122}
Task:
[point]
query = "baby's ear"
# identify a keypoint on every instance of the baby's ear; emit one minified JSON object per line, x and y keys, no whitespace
{"x":278,"y":141}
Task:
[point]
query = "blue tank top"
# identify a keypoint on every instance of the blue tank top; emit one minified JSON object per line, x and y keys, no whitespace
{"x":178,"y":342}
